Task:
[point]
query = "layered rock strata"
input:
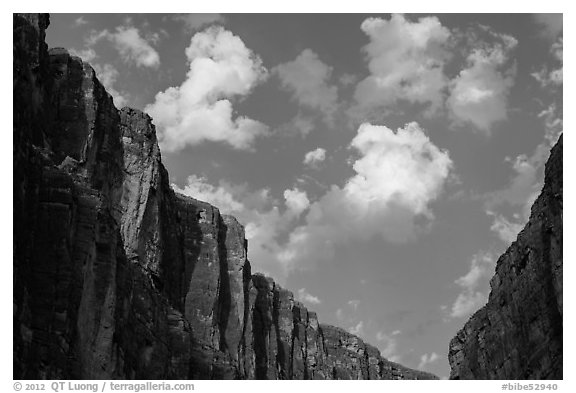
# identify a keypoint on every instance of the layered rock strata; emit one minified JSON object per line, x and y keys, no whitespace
{"x":518,"y":333}
{"x":116,"y":276}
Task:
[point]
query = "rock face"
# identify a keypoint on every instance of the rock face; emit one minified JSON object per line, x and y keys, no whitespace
{"x":518,"y":334}
{"x":116,"y":276}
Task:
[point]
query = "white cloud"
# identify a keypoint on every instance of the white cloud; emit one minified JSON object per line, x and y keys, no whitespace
{"x":406,"y":61}
{"x":221,"y":68}
{"x":397,"y":175}
{"x":80,"y":21}
{"x":479,"y":94}
{"x":553,"y":123}
{"x":131,"y":46}
{"x":426,"y":360}
{"x":307,"y":78}
{"x":108,"y":75}
{"x":296,"y":200}
{"x":526,"y":181}
{"x":220,"y":196}
{"x":475,"y":285}
{"x":468,"y":302}
{"x":306,"y":297}
{"x":388,"y":345}
{"x":87,"y":55}
{"x":194,"y":22}
{"x":314,"y":157}
{"x":555,"y":77}
{"x":358,"y":329}
{"x":504,"y":228}
{"x":525,"y":184}
{"x":263,"y":217}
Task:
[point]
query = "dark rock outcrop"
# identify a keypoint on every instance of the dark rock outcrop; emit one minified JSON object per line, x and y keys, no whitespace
{"x":118,"y":276}
{"x":518,"y":334}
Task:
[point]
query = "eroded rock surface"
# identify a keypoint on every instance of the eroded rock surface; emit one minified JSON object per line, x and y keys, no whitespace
{"x":518,"y":334}
{"x":116,"y":275}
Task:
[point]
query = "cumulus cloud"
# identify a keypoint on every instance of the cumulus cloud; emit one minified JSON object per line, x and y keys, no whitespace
{"x":306,"y":297}
{"x":479,"y":94}
{"x":221,"y":68}
{"x":194,"y":22}
{"x":307,"y":79}
{"x":131,"y":46}
{"x":397,"y":175}
{"x":426,"y":360}
{"x":296,"y":200}
{"x":314,"y":157}
{"x":475,"y":285}
{"x":406,"y":61}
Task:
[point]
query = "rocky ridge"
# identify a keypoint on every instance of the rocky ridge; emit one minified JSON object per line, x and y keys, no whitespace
{"x":116,"y":276}
{"x":518,"y":333}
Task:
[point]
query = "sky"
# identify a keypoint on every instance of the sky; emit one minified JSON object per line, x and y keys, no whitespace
{"x":380,"y":163}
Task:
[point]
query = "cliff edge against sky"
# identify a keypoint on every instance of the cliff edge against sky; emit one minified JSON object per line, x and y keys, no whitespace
{"x":116,"y":276}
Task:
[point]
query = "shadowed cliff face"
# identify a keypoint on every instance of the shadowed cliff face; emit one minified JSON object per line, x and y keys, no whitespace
{"x":518,"y":334}
{"x":117,"y":276}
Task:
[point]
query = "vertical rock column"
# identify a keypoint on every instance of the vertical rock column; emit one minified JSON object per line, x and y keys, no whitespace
{"x":518,"y":333}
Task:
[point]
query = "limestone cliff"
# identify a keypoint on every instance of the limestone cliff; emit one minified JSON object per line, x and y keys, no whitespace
{"x":118,"y":276}
{"x":518,"y":334}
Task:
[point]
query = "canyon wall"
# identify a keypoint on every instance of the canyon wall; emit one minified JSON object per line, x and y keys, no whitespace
{"x":518,"y":333}
{"x":116,"y":276}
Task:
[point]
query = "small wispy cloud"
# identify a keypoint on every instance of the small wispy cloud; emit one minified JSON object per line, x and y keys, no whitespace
{"x":314,"y":157}
{"x":354,"y":304}
{"x":474,"y":284}
{"x":80,"y":21}
{"x":307,"y":79}
{"x":357,"y":329}
{"x":306,"y":297}
{"x":194,"y":22}
{"x":388,"y":345}
{"x":479,"y":94}
{"x":427,"y":359}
